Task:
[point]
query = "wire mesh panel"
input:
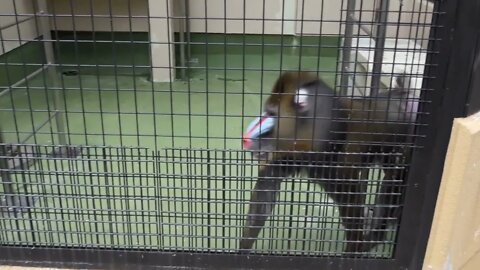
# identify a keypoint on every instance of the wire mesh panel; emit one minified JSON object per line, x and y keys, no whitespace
{"x":85,"y":201}
{"x":122,"y":121}
{"x":177,"y":199}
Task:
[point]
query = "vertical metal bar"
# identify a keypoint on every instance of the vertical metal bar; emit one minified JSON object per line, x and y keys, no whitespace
{"x":8,"y":189}
{"x":473,"y":104}
{"x":187,"y":68}
{"x":347,"y":47}
{"x":381,"y":30}
{"x":42,"y":9}
{"x":187,"y":26}
{"x":181,"y":33}
{"x":23,"y":67}
{"x":118,"y":95}
{"x":207,"y":88}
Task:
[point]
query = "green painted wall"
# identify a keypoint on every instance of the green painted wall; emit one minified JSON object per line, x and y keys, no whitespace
{"x":125,"y":53}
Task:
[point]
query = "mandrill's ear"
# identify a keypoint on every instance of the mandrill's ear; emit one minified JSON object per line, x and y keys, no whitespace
{"x":303,"y":96}
{"x":301,"y":100}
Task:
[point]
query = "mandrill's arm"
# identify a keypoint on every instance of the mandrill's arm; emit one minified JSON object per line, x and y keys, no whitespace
{"x":262,"y":201}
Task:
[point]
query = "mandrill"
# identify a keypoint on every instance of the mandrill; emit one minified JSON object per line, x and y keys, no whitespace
{"x":304,"y":125}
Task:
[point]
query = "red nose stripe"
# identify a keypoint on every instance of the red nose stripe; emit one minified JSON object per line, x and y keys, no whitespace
{"x":246,"y":142}
{"x":246,"y":136}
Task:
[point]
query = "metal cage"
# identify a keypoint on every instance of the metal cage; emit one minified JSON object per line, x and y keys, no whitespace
{"x":121,"y":125}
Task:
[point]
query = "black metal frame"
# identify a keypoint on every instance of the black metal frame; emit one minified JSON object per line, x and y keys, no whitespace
{"x":128,"y":259}
{"x":450,"y":100}
{"x":456,"y":94}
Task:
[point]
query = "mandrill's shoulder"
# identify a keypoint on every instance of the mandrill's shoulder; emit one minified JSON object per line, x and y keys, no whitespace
{"x":289,"y":82}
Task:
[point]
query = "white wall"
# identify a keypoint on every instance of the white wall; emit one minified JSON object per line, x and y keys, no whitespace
{"x":312,"y":10}
{"x":82,"y":9}
{"x":416,"y":11}
{"x":235,"y":11}
{"x":424,"y":15}
{"x":412,"y":11}
{"x":15,"y":35}
{"x":295,"y":10}
{"x":216,"y":9}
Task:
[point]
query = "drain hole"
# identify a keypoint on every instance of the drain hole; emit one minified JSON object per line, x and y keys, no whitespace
{"x":70,"y":73}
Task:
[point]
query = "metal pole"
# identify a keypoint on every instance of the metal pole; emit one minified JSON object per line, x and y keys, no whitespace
{"x":347,"y":47}
{"x":44,"y":25}
{"x":7,"y":89}
{"x":362,"y":26}
{"x":8,"y":189}
{"x":381,"y":30}
{"x":187,"y":25}
{"x":182,"y":39}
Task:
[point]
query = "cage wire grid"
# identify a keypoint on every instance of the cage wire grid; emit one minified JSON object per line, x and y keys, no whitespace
{"x":121,"y":120}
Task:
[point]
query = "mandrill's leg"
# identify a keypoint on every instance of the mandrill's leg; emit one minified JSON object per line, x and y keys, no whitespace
{"x":262,"y":202}
{"x":387,"y":205}
{"x":348,"y":194}
{"x":347,"y":189}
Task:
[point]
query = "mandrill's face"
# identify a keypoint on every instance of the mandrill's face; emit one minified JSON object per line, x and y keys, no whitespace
{"x":286,"y":121}
{"x":258,"y":136}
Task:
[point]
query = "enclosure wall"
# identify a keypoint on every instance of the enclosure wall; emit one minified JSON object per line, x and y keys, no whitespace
{"x":14,"y":31}
{"x":206,"y":16}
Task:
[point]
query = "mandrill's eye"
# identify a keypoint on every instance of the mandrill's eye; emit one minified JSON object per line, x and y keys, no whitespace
{"x":271,"y":112}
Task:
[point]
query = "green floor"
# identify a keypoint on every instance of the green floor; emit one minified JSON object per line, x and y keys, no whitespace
{"x":210,"y":105}
{"x":146,"y":201}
